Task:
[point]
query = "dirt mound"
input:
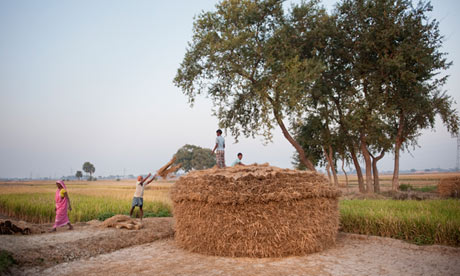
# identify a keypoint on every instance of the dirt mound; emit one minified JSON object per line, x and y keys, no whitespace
{"x":122,"y":221}
{"x":85,"y":241}
{"x":9,"y":228}
{"x":449,"y":187}
{"x":255,"y":211}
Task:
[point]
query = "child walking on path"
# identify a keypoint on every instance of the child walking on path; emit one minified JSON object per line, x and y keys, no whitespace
{"x":219,"y":148}
{"x":138,"y":199}
{"x":62,"y":201}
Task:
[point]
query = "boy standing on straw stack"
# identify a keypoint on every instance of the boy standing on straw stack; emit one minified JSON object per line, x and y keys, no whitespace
{"x":219,"y":148}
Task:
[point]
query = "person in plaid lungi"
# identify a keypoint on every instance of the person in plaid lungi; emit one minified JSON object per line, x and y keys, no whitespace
{"x":219,"y":149}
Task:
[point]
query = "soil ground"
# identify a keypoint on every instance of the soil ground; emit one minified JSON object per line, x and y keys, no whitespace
{"x":92,"y":250}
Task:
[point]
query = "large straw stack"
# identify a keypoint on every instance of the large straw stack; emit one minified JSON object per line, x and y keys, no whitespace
{"x":449,"y":186}
{"x":255,"y":211}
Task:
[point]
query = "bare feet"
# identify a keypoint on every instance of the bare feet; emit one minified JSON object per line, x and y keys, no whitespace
{"x":52,"y":230}
{"x":70,"y":227}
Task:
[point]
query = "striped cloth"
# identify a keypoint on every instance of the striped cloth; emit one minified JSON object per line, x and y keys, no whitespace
{"x":220,"y":158}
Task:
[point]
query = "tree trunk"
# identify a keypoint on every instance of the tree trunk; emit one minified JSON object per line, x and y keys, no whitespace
{"x":328,"y":172}
{"x":398,"y":143}
{"x":395,"y":181}
{"x":330,"y":161}
{"x":359,"y":173}
{"x":367,"y":160}
{"x":344,"y":172}
{"x":294,"y":143}
{"x":376,"y":172}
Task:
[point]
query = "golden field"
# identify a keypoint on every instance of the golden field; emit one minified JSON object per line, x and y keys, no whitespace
{"x":422,"y":222}
{"x":34,"y":201}
{"x":415,"y":180}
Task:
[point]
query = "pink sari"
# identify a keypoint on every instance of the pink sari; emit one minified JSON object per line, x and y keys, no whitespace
{"x":61,"y":207}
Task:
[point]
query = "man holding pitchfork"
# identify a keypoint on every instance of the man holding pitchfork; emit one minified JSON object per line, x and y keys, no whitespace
{"x":138,"y":195}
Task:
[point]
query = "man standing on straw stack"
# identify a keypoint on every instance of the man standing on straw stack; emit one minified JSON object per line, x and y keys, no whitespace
{"x":219,"y":148}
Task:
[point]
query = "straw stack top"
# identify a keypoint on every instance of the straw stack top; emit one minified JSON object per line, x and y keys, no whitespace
{"x":251,"y":184}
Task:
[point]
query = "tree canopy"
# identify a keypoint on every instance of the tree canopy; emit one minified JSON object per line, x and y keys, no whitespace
{"x":381,"y":85}
{"x":354,"y":84}
{"x":195,"y":158}
{"x":89,"y":168}
{"x":78,"y":174}
{"x":256,"y":63}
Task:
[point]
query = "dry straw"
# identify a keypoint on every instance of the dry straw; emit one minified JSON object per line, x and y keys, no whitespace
{"x":168,"y":168}
{"x":255,"y":211}
{"x":449,"y":186}
{"x":122,"y":221}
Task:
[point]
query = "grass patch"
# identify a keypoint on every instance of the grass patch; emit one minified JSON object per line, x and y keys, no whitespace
{"x":405,"y":187}
{"x":162,"y":212}
{"x":419,"y":222}
{"x":6,"y":260}
{"x":427,"y":189}
{"x":39,"y":208}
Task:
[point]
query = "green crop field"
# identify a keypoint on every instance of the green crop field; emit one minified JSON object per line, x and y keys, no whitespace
{"x":39,"y":208}
{"x":35,"y":202}
{"x":420,"y":222}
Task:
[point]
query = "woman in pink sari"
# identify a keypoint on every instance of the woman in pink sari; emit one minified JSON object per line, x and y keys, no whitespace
{"x":62,"y":204}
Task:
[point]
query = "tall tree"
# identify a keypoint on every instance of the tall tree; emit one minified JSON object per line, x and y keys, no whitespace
{"x":256,"y":63}
{"x":195,"y":158}
{"x":395,"y":64}
{"x":79,"y":175}
{"x":358,"y":27}
{"x":89,"y":168}
{"x":318,"y":142}
{"x":413,"y":83}
{"x":331,"y":124}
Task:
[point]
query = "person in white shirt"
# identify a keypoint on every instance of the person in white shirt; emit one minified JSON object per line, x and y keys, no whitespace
{"x":138,"y":199}
{"x":238,"y":160}
{"x":219,"y":148}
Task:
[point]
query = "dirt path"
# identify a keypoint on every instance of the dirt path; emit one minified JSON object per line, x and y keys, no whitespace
{"x":92,"y":250}
{"x":353,"y":255}
{"x":85,"y":241}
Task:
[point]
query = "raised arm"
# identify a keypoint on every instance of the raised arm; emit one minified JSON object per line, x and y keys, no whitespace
{"x":150,"y":181}
{"x":143,"y":180}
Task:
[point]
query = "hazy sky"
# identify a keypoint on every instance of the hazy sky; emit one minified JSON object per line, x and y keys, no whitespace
{"x":92,"y":81}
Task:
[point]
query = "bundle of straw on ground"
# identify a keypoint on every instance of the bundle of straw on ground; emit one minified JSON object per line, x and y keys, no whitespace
{"x":122,"y":221}
{"x":449,"y":187}
{"x":255,"y":211}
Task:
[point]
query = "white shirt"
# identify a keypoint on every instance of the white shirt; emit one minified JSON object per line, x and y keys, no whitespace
{"x":237,"y":161}
{"x":139,"y":190}
{"x":220,"y":141}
